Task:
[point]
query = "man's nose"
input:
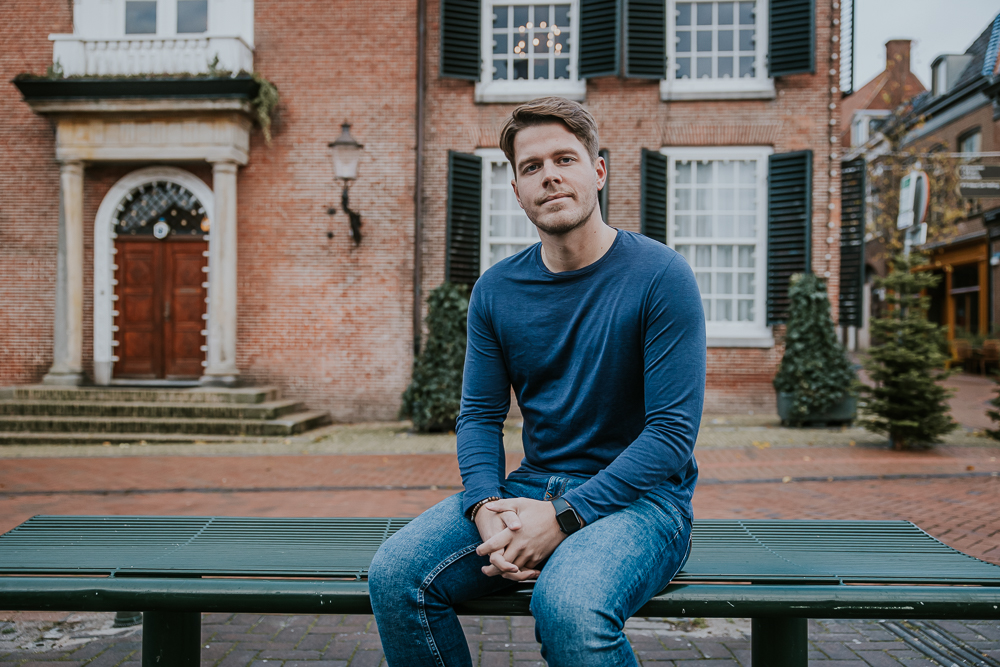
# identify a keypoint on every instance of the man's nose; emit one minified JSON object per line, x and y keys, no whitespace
{"x":550,"y":174}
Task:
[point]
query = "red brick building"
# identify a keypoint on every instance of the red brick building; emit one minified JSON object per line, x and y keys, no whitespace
{"x":149,"y":233}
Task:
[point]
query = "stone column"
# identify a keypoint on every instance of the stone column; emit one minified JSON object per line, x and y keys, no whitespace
{"x":67,"y":358}
{"x":221,"y":369}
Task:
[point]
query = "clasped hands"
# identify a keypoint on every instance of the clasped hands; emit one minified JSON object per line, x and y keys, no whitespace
{"x":518,"y":535}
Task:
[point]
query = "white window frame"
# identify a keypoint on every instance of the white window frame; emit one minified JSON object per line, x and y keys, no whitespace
{"x":488,"y":90}
{"x":759,"y":87}
{"x":731,"y":334}
{"x":492,"y":156}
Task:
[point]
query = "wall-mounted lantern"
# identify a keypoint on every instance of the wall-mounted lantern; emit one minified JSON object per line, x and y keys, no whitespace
{"x":346,"y":154}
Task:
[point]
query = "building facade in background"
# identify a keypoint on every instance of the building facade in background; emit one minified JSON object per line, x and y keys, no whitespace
{"x":151,"y":234}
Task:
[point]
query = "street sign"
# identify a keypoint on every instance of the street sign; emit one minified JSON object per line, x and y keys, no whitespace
{"x":979,"y":180}
{"x":914,"y":199}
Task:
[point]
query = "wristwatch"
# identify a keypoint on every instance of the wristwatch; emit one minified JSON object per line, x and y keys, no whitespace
{"x":569,"y":520}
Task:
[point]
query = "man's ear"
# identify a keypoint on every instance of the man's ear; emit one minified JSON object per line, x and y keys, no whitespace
{"x":601,"y":167}
{"x":513,"y":184}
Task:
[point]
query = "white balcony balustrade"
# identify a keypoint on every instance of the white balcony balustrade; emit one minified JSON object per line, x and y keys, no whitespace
{"x":149,"y":55}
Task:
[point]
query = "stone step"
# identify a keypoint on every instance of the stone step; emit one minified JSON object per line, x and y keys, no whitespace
{"x":199,"y":395}
{"x":116,"y":439}
{"x":286,"y":425}
{"x":39,"y":408}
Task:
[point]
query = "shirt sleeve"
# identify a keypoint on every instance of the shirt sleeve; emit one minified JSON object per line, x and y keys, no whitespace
{"x":674,"y":391}
{"x":485,"y":404}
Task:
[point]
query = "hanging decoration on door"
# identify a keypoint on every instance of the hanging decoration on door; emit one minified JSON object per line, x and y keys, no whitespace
{"x":159,"y":209}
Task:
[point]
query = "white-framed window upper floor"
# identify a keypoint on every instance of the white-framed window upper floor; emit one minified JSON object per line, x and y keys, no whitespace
{"x":506,"y":229}
{"x":717,"y":49}
{"x":128,"y":37}
{"x":717,"y":220}
{"x":529,"y":49}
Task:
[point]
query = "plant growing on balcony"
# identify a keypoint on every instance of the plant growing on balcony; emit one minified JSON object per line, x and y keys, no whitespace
{"x":906,"y":363}
{"x":815,"y":369}
{"x":434,"y":396}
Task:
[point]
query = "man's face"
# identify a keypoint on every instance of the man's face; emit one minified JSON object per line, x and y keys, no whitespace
{"x":554,"y":179}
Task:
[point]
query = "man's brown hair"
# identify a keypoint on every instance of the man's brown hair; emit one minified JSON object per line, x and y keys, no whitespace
{"x":547,"y":110}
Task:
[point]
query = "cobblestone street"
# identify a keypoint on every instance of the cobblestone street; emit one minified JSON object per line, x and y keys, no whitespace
{"x":750,"y":468}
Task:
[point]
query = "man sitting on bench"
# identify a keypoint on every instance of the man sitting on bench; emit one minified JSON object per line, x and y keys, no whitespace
{"x":601,"y":333}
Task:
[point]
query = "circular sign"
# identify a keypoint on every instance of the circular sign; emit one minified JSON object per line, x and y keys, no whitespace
{"x":161,"y":229}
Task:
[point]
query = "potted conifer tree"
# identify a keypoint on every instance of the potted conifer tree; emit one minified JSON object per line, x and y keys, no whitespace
{"x":816,"y":381}
{"x":906,"y":363}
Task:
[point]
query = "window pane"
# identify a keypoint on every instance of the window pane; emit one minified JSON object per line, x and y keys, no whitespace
{"x":683,"y":41}
{"x":724,"y":256}
{"x":140,"y":17}
{"x":746,"y":13}
{"x":747,"y":68}
{"x":725,"y":40}
{"x":683,"y":170}
{"x":704,"y":13}
{"x":704,"y":226}
{"x":683,"y":13}
{"x":704,"y":279}
{"x":745,"y":310}
{"x":703,"y":200}
{"x":725,"y":13}
{"x":683,"y":68}
{"x":724,"y":283}
{"x":703,"y":256}
{"x":500,"y":16}
{"x":561,"y":18}
{"x":724,"y":310}
{"x":704,"y":68}
{"x":724,"y":226}
{"x":746,"y":257}
{"x":704,"y":40}
{"x":192,"y":16}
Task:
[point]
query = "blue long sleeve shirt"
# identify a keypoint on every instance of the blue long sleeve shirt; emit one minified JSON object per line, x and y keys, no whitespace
{"x":608,"y":366}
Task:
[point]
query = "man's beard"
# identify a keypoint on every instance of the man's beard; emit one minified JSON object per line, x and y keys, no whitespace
{"x":566,"y":226}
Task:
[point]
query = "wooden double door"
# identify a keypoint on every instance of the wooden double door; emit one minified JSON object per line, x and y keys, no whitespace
{"x":161,"y":303}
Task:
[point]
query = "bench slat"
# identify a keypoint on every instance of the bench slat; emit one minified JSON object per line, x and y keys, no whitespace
{"x":757,"y":551}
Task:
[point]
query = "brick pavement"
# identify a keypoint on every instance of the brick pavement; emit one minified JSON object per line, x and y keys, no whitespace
{"x":949,"y":491}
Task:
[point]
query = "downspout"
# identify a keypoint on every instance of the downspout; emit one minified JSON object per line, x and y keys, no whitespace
{"x":418,"y":188}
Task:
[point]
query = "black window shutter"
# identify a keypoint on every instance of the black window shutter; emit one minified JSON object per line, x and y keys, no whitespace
{"x":792,"y":37}
{"x":460,"y":38}
{"x":852,"y":242}
{"x":599,"y":52}
{"x":789,"y":212}
{"x":653,"y":195}
{"x":645,"y":39}
{"x":465,"y":218}
{"x":602,"y":196}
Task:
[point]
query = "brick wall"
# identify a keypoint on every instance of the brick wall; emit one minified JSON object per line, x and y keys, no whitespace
{"x":329,"y":322}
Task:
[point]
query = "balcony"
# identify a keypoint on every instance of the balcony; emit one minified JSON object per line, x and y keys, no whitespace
{"x":149,"y":55}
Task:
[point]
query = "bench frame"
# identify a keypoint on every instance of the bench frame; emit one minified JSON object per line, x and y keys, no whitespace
{"x":779,"y":612}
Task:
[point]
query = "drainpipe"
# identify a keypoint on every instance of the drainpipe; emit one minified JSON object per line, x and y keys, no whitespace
{"x":418,"y":189}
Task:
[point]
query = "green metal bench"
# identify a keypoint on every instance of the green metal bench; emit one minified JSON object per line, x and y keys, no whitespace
{"x":778,"y":573}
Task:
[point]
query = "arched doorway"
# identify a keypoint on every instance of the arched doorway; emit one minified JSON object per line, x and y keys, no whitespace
{"x":155,"y":227}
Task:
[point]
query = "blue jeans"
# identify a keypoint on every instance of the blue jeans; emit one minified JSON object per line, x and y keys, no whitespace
{"x":595,"y":580}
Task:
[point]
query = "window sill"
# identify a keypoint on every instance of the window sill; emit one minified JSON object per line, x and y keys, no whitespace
{"x":671,"y":91}
{"x":502,"y":92}
{"x":755,"y":341}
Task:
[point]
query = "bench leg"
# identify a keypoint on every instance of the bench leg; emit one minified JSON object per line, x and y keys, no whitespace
{"x":171,"y":639}
{"x":779,"y":642}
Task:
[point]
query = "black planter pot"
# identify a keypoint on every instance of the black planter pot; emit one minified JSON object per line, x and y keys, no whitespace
{"x":841,"y":413}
